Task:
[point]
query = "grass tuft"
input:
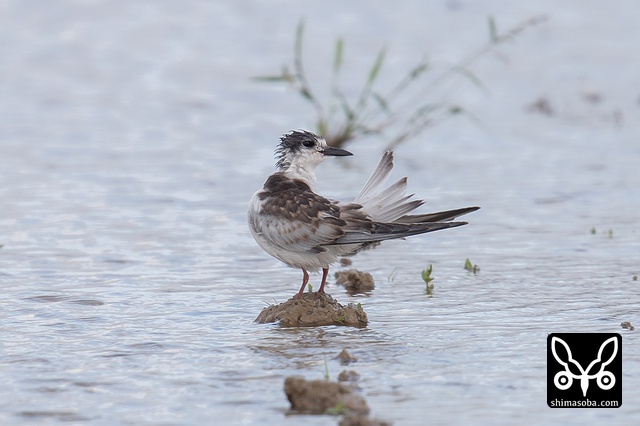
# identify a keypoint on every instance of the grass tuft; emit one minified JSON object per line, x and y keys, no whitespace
{"x":326,"y":369}
{"x":401,"y":113}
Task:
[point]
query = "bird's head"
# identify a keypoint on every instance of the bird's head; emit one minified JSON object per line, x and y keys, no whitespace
{"x":304,"y":150}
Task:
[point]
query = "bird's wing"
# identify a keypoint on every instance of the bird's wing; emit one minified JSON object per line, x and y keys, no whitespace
{"x":388,"y":231}
{"x":437,"y":216}
{"x":297,"y":219}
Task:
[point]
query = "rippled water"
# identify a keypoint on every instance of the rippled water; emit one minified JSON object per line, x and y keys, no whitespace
{"x":133,"y":137}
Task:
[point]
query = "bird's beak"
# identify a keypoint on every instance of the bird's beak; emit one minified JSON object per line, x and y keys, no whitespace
{"x":337,"y":152}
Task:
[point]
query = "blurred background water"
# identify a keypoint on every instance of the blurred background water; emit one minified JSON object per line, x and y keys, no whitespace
{"x":133,"y":136}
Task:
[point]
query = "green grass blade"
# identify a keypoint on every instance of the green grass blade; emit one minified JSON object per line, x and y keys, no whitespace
{"x":337,"y":57}
{"x":371,"y":78}
{"x":493,"y":31}
{"x":271,"y":78}
{"x":377,"y":65}
{"x":349,"y":113}
{"x":419,"y":69}
{"x":285,"y":76}
{"x":304,"y":90}
{"x":297,"y":50}
{"x":321,"y":127}
{"x":382,"y":103}
{"x":470,"y":76}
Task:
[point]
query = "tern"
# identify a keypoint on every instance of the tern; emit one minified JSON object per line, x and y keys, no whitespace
{"x":307,"y":231}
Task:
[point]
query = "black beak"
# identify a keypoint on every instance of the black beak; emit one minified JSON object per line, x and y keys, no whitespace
{"x":337,"y":152}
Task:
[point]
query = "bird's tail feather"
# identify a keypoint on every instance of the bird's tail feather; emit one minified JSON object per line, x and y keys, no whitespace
{"x":378,"y":178}
{"x":391,"y":205}
{"x":388,"y":204}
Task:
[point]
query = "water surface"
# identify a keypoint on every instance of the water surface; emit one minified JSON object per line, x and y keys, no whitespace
{"x":133,"y":138}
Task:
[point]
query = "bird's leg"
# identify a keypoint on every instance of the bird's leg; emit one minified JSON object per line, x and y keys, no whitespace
{"x":325,"y":272}
{"x":305,"y":280}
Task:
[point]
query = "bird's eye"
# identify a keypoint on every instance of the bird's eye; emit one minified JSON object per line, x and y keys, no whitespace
{"x":308,"y":143}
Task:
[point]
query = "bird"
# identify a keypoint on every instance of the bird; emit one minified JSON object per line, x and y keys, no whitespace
{"x":308,"y":231}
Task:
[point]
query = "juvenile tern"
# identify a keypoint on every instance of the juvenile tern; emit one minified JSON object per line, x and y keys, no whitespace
{"x":308,"y":231}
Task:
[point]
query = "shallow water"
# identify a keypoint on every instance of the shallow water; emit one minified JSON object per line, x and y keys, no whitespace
{"x":133,"y":138}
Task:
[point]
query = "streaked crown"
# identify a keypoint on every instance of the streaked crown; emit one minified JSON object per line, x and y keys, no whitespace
{"x":292,"y":143}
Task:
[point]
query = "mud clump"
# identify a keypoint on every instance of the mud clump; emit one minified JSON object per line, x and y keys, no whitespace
{"x":627,"y":325}
{"x":323,"y":397}
{"x":345,"y":261}
{"x":313,"y":310}
{"x":345,"y":357}
{"x":361,"y":420}
{"x":348,"y":376}
{"x":356,"y":282}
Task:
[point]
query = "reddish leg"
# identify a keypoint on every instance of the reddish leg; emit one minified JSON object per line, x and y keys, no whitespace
{"x":325,"y":272}
{"x":305,"y":280}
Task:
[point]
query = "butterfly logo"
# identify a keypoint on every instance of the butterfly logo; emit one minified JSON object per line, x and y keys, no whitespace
{"x":564,"y":379}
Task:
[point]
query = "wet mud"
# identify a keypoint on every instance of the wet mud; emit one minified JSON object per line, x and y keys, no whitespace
{"x":323,"y":397}
{"x":345,"y":357}
{"x":356,"y":282}
{"x":313,"y":310}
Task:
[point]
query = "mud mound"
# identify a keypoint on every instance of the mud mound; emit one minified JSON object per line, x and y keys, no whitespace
{"x":356,"y":282}
{"x":313,"y":310}
{"x":322,"y":397}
